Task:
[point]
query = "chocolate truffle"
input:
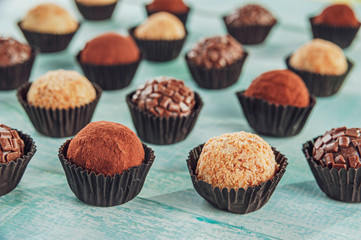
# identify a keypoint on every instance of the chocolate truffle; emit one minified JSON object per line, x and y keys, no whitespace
{"x":49,"y":18}
{"x":174,"y":6}
{"x":251,"y":14}
{"x":61,"y":89}
{"x":110,"y":49}
{"x":280,"y":87}
{"x":106,"y":148}
{"x":165,"y":97}
{"x":13,"y":52}
{"x":339,"y":148}
{"x":236,"y":160}
{"x":161,"y":26}
{"x":216,"y":52}
{"x":11,"y":145}
{"x":96,"y":2}
{"x":321,"y":57}
{"x":340,"y":15}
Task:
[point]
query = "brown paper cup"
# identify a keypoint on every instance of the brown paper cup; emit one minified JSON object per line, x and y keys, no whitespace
{"x":96,"y":12}
{"x":183,"y":16}
{"x":105,"y":191}
{"x":60,"y":122}
{"x":12,"y":172}
{"x":240,"y":200}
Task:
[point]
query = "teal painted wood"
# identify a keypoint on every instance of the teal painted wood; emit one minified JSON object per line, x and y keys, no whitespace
{"x":43,"y":206}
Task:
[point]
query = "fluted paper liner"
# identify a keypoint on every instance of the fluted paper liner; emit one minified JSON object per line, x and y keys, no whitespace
{"x":183,"y":16}
{"x":274,"y":120}
{"x":239,"y":200}
{"x":11,"y":77}
{"x":60,"y":122}
{"x":110,"y":77}
{"x":161,"y":130}
{"x":46,"y":42}
{"x":159,"y":50}
{"x":12,"y":172}
{"x":216,"y":78}
{"x":342,"y":185}
{"x":105,"y":191}
{"x":96,"y":12}
{"x":342,"y":36}
{"x":321,"y":85}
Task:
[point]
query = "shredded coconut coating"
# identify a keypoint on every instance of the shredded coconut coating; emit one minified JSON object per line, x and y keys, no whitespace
{"x":61,"y":89}
{"x":236,"y":160}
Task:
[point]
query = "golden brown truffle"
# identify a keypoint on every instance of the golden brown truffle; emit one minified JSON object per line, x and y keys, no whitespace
{"x":340,"y":15}
{"x":174,"y":6}
{"x":96,"y":2}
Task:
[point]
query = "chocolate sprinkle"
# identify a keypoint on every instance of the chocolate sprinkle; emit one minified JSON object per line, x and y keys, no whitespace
{"x":11,"y":145}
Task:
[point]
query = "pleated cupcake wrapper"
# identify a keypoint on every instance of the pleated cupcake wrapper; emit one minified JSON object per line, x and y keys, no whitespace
{"x":274,"y":120}
{"x":46,"y":42}
{"x":249,"y":35}
{"x":342,"y":36}
{"x":97,"y":12}
{"x":341,"y":185}
{"x":105,"y":191}
{"x":161,"y":130}
{"x":159,"y":50}
{"x":182,"y":16}
{"x":240,"y":200}
{"x":11,"y":77}
{"x":216,"y":78}
{"x":110,"y":77}
{"x":60,"y":122}
{"x":321,"y":85}
{"x":12,"y":172}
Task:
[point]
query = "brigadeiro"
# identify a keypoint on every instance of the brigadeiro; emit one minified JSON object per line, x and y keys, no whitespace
{"x":96,"y":9}
{"x":16,"y":62}
{"x":164,"y":110}
{"x":176,"y":7}
{"x":334,"y":159}
{"x":216,"y":62}
{"x":160,"y":37}
{"x":16,"y":151}
{"x":277,"y":103}
{"x":237,"y":172}
{"x":105,"y":164}
{"x":48,"y":27}
{"x":59,"y":103}
{"x":322,"y":65}
{"x":110,"y":60}
{"x":250,"y":24}
{"x":337,"y":23}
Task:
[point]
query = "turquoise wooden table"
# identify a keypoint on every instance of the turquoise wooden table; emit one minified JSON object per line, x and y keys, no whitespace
{"x":168,"y":207}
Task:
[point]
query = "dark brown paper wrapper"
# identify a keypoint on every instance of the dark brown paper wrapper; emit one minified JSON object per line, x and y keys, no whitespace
{"x":183,"y":16}
{"x":341,"y":185}
{"x":58,"y":123}
{"x":216,"y":78}
{"x":274,"y":120}
{"x":249,"y":35}
{"x":161,"y":130}
{"x":96,"y":13}
{"x":321,"y":85}
{"x":11,"y":173}
{"x":240,"y":200}
{"x":159,"y":50}
{"x":110,"y":77}
{"x":342,"y":36}
{"x":48,"y":43}
{"x":11,"y":77}
{"x":105,"y":191}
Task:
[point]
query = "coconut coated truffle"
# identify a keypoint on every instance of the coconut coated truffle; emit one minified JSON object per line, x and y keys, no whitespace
{"x":236,"y":160}
{"x":340,"y":15}
{"x":249,"y":15}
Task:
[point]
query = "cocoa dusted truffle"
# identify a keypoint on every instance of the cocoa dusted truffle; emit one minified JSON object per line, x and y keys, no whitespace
{"x":216,"y":52}
{"x":165,"y":97}
{"x":11,"y":145}
{"x":174,"y":6}
{"x":106,"y":148}
{"x":251,"y":14}
{"x":340,"y":15}
{"x":280,"y":87}
{"x":13,"y":52}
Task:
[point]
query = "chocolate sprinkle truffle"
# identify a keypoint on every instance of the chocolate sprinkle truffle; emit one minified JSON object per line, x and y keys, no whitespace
{"x":340,"y":15}
{"x":251,"y":14}
{"x":216,"y":52}
{"x":339,"y":148}
{"x":13,"y":52}
{"x":165,"y":97}
{"x":11,"y":145}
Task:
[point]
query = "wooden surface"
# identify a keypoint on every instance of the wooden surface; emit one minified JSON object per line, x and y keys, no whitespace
{"x":168,"y":207}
